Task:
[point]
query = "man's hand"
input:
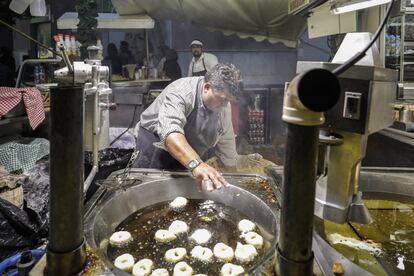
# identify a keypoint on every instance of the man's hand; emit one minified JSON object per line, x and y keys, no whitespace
{"x":209,"y":178}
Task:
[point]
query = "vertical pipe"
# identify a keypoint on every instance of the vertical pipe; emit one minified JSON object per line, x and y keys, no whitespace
{"x":147,"y":47}
{"x":66,"y":249}
{"x":296,"y":224}
{"x":307,"y":97}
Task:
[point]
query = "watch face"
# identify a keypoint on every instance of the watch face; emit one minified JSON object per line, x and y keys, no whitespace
{"x":192,"y":164}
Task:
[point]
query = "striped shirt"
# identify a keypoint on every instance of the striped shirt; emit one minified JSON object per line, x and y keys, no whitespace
{"x":169,"y":113}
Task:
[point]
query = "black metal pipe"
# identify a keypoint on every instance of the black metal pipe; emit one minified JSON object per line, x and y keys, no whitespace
{"x":66,"y":249}
{"x":298,"y":201}
{"x":309,"y":95}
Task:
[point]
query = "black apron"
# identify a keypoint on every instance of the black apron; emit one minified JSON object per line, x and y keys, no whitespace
{"x":202,"y":131}
{"x":200,"y":73}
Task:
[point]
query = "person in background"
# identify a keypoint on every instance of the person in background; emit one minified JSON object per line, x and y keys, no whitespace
{"x":7,"y":68}
{"x":201,"y":62}
{"x":171,"y":67}
{"x":113,"y":58}
{"x":6,"y":76}
{"x":189,"y":117}
{"x":162,"y":50}
{"x":125,"y":55}
{"x":7,"y":59}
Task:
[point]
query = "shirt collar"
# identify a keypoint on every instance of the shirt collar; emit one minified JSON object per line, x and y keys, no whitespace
{"x":200,"y":94}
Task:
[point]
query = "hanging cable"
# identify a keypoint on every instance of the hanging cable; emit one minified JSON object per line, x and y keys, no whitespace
{"x":30,"y":38}
{"x":358,"y":56}
{"x":128,"y":128}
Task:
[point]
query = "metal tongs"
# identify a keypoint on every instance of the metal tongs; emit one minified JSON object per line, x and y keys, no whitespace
{"x":119,"y":180}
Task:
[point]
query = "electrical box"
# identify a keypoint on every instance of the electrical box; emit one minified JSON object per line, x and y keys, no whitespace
{"x":322,"y":22}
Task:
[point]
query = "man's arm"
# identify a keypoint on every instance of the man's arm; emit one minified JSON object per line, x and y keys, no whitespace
{"x":179,"y":148}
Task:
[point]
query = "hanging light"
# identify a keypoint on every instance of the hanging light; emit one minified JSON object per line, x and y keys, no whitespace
{"x":37,"y":7}
{"x":343,"y":6}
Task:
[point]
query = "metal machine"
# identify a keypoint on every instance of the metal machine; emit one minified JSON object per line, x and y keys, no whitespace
{"x":364,"y":107}
{"x":346,"y":108}
{"x":80,"y":84}
{"x":94,"y":77}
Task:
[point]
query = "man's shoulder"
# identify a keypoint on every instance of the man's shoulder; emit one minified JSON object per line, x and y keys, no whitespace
{"x":209,"y":55}
{"x":186,"y":81}
{"x":210,"y":59}
{"x":184,"y":86}
{"x":183,"y":90}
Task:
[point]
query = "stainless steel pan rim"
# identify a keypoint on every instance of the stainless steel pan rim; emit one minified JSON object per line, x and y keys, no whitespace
{"x":118,"y":204}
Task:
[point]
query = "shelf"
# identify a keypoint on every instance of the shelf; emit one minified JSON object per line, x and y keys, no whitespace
{"x":12,"y":120}
{"x":40,"y":20}
{"x":18,"y":119}
{"x":137,"y":82}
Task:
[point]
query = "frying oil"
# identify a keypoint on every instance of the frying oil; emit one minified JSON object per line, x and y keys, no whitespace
{"x":220,"y":220}
{"x":384,"y":247}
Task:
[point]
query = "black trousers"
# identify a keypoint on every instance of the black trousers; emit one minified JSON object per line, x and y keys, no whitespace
{"x":151,"y":156}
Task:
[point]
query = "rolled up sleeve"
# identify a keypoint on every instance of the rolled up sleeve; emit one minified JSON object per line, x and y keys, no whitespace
{"x":172,"y":116}
{"x":226,"y":146}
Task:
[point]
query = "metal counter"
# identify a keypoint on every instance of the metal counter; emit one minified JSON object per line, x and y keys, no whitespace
{"x":129,"y":98}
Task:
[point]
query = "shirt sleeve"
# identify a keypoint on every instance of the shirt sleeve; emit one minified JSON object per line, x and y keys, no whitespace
{"x":226,"y":146}
{"x":172,"y":115}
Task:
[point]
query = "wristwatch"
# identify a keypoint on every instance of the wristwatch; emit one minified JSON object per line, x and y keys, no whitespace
{"x":193,"y":164}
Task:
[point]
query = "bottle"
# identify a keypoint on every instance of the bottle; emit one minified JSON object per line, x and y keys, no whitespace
{"x":397,"y":45}
{"x":144,"y":72}
{"x":57,"y":40}
{"x":26,"y":263}
{"x":42,"y":74}
{"x":387,"y":45}
{"x":392,"y":45}
{"x":78,"y":46}
{"x":50,"y":53}
{"x":60,"y":36}
{"x":73,"y":46}
{"x":66,"y":43}
{"x":36,"y":74}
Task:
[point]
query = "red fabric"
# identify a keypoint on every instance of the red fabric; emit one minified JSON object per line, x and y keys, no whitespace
{"x":32,"y":98}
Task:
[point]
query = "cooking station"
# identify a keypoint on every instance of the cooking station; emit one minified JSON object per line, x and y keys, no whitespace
{"x":328,"y":122}
{"x":164,"y":124}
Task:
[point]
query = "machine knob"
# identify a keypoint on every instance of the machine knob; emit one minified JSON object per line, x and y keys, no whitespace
{"x":110,"y":106}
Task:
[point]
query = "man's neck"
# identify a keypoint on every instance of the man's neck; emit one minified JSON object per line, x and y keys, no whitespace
{"x":197,"y":58}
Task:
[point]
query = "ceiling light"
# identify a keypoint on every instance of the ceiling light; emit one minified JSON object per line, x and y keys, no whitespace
{"x":353,"y":5}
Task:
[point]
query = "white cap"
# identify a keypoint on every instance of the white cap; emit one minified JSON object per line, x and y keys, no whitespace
{"x":196,"y":42}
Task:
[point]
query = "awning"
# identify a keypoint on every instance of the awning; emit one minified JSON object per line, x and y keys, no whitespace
{"x":259,"y":19}
{"x":109,"y":21}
